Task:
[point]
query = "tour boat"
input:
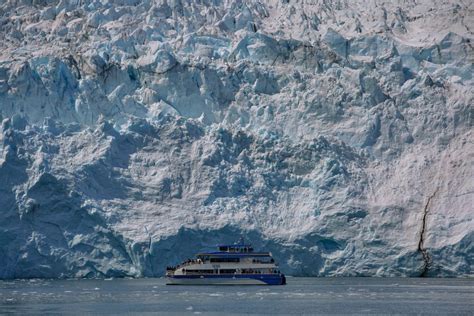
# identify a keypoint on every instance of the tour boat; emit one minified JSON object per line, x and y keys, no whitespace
{"x":234,"y":264}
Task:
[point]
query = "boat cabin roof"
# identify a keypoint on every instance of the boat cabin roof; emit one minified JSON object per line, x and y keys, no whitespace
{"x":241,"y":245}
{"x":226,"y":254}
{"x":240,"y":248}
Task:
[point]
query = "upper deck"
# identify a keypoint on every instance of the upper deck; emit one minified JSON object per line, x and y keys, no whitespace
{"x":224,"y":254}
{"x":240,"y":247}
{"x":237,"y":250}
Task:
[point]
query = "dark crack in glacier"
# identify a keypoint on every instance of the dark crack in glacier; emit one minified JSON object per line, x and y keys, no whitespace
{"x":427,"y":261}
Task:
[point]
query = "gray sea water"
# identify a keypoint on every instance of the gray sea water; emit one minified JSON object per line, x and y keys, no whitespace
{"x":301,"y":296}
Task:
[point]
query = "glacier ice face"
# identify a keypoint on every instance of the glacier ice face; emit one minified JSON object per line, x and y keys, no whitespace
{"x":135,"y":133}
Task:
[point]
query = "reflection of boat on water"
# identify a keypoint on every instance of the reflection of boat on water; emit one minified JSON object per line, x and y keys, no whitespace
{"x":231,"y":265}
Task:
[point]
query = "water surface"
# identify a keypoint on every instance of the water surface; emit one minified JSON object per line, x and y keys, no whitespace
{"x":300,"y":296}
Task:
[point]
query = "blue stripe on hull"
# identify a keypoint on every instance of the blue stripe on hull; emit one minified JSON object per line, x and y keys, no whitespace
{"x":269,"y":279}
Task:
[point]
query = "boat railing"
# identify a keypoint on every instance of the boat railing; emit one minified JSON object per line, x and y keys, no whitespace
{"x":188,"y":263}
{"x":198,"y":273}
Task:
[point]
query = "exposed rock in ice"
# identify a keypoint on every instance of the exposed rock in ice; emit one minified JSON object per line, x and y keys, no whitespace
{"x":135,"y":133}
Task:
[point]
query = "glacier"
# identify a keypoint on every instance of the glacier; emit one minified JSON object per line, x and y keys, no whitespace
{"x":336,"y":134}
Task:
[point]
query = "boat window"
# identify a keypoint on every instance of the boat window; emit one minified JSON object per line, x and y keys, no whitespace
{"x":263,"y":260}
{"x":188,"y":271}
{"x":226,"y":271}
{"x":224,"y":259}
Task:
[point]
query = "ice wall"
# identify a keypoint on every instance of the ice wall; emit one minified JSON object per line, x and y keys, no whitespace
{"x":339,"y":135}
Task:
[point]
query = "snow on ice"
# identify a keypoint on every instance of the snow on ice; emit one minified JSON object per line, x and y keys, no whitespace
{"x":337,"y":134}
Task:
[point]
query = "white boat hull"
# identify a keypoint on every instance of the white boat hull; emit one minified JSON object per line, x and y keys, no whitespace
{"x":214,"y":281}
